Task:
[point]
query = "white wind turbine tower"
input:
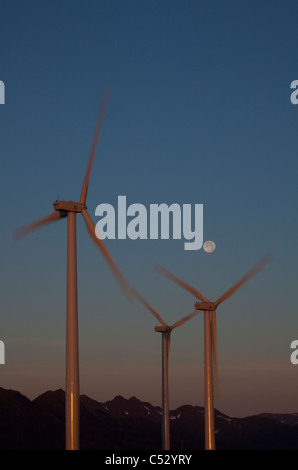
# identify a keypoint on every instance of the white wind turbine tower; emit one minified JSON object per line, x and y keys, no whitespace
{"x":70,"y":209}
{"x":210,"y":349}
{"x":166,"y":338}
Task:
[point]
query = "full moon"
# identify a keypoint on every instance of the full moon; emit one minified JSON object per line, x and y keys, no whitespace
{"x":209,"y":246}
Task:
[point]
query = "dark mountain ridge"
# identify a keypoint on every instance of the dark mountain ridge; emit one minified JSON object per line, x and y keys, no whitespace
{"x":130,"y":424}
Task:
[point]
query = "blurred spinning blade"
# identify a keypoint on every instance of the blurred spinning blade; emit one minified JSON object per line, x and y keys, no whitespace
{"x":100,"y":119}
{"x":25,"y":229}
{"x":181,"y":283}
{"x":151,"y":309}
{"x":266,"y":260}
{"x":127,"y":289}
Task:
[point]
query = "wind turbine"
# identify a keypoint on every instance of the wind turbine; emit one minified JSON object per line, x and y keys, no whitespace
{"x":166,"y":339}
{"x":210,"y":349}
{"x":70,"y":209}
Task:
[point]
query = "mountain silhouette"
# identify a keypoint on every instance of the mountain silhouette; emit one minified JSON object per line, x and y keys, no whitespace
{"x":130,"y":424}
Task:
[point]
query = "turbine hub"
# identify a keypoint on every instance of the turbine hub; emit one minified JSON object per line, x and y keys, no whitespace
{"x":69,"y":206}
{"x":205,"y":306}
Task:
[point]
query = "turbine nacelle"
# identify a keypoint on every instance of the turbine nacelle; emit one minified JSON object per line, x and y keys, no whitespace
{"x":163,"y":329}
{"x":69,"y":206}
{"x":211,"y":306}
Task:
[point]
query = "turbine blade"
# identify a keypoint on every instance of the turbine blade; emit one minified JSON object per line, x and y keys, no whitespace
{"x":214,"y":351}
{"x":175,"y":279}
{"x":22,"y":231}
{"x":185,"y":319}
{"x":127,"y":289}
{"x":144,"y":302}
{"x":100,"y":118}
{"x":266,"y":260}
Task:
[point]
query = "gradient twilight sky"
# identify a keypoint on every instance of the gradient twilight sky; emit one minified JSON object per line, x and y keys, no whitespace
{"x":199,"y":113}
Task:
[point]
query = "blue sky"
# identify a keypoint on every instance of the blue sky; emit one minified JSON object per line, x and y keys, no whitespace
{"x":199,"y":113}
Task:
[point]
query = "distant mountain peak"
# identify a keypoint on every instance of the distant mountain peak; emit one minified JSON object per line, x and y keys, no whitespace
{"x":131,"y":424}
